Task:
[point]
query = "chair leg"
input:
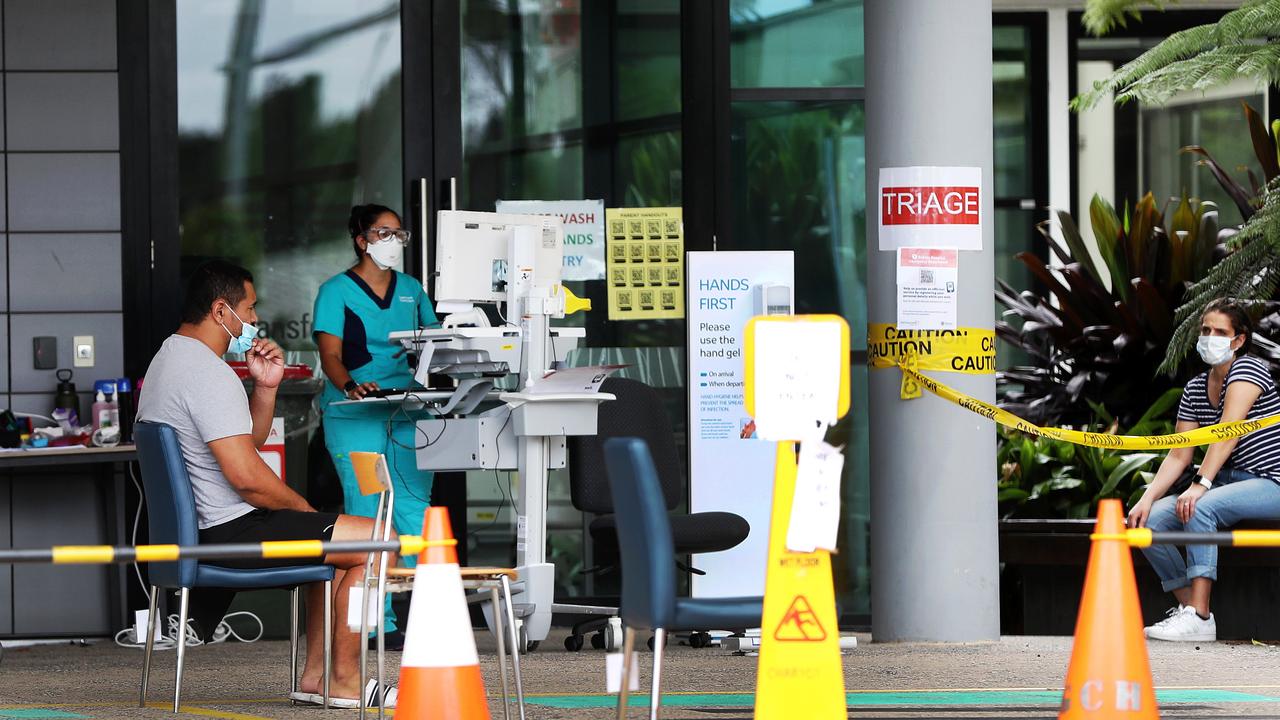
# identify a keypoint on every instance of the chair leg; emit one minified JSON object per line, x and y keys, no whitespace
{"x":293,"y":640}
{"x":495,"y":603}
{"x":655,"y":693}
{"x":515,"y":640}
{"x":151,"y":641}
{"x":364,"y":635}
{"x":328,"y":638}
{"x":181,"y":639}
{"x":624,"y":690}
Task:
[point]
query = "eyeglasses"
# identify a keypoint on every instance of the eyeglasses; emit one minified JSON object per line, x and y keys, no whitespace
{"x":383,"y":234}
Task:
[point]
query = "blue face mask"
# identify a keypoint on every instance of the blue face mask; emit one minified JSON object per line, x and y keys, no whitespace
{"x":242,"y":343}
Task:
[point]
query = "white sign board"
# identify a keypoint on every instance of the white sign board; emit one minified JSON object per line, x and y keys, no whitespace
{"x":927,"y":280}
{"x":731,"y":468}
{"x":583,"y":232}
{"x":797,"y":374}
{"x":931,"y":207}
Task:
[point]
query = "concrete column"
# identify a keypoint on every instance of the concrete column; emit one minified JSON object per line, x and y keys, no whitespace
{"x":934,"y":573}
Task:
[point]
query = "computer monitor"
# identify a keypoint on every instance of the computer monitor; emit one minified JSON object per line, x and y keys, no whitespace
{"x":472,"y":251}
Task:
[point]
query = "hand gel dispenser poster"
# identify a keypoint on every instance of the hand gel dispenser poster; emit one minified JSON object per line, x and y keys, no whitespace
{"x":730,"y":469}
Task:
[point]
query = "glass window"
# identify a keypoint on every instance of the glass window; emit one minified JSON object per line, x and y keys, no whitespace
{"x":796,"y":43}
{"x":1011,"y":64}
{"x":1218,"y":125}
{"x":531,"y":130}
{"x":288,"y":114}
{"x":521,"y":101}
{"x":799,"y":176}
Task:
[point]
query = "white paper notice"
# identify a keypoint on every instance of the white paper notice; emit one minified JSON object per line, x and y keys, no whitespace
{"x":586,"y":379}
{"x":797,"y":378}
{"x":815,"y":508}
{"x":927,"y":279}
{"x":930,"y":207}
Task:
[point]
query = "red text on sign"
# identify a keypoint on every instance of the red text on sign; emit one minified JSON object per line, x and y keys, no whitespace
{"x":929,"y":205}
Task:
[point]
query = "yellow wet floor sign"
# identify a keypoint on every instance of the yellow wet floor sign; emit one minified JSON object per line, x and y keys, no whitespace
{"x":800,"y":674}
{"x":797,"y":379}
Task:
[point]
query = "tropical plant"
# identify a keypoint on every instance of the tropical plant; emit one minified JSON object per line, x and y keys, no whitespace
{"x":1250,"y":274}
{"x":1095,"y":333}
{"x":1101,"y":16}
{"x":1241,"y":44}
{"x":1042,"y":477}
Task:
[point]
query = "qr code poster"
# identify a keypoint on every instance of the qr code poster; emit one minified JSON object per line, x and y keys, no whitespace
{"x":645,"y":263}
{"x":927,"y":279}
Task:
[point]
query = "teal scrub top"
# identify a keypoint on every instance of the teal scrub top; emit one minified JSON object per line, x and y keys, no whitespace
{"x":346,"y":307}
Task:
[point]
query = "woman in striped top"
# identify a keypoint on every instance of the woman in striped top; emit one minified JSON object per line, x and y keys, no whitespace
{"x":1239,"y":478}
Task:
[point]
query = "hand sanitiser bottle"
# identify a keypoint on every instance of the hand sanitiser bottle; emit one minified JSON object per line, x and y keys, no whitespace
{"x":101,"y":411}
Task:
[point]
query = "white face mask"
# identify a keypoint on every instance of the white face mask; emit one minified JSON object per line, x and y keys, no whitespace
{"x":1214,"y":349}
{"x":386,"y":254}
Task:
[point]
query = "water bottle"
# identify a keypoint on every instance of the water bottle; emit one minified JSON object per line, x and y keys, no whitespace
{"x":67,"y":399}
{"x":124,"y":395}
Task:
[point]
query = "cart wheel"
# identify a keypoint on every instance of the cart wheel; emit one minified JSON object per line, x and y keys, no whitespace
{"x":650,"y":642}
{"x":613,"y":634}
{"x":597,"y":640}
{"x":573,"y":643}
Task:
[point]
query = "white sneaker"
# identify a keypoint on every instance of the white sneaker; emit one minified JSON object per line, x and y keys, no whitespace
{"x":1169,"y":615}
{"x":1185,"y":626}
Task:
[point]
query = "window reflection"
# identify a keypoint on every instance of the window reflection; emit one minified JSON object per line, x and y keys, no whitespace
{"x":796,"y":43}
{"x":288,"y":114}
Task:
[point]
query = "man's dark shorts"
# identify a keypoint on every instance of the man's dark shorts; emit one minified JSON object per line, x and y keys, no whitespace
{"x":267,"y":526}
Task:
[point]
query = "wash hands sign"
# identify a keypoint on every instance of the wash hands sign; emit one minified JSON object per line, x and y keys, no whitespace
{"x":583,"y":232}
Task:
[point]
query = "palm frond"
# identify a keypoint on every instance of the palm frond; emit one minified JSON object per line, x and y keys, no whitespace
{"x":1178,"y":46}
{"x":1210,"y":68}
{"x":1249,"y":274}
{"x":1102,"y":16}
{"x":1194,"y":58}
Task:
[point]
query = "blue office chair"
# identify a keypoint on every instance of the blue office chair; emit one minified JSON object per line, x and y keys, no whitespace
{"x":171,"y":513}
{"x":649,"y":599}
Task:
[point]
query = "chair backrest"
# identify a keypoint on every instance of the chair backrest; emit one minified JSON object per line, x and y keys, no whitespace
{"x":644,"y":535}
{"x":171,"y":507}
{"x":637,"y":412}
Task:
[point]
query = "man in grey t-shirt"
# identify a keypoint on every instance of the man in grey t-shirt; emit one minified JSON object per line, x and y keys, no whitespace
{"x":238,"y":497}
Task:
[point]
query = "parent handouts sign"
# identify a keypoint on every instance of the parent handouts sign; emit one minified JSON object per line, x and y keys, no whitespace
{"x":939,"y":207}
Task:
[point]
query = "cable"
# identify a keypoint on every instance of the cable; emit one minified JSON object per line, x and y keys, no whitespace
{"x":126,"y":638}
{"x":220,"y":633}
{"x":497,"y":465}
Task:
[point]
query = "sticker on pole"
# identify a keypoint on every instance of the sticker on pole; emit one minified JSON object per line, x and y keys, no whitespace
{"x":938,"y":207}
{"x":800,"y":623}
{"x":796,"y":374}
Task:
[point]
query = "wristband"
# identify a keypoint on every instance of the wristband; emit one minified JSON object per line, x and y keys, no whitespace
{"x":1204,"y":482}
{"x":351,"y":385}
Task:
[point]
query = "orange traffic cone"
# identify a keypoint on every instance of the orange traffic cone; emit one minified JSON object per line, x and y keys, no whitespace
{"x":1110,"y":674}
{"x":439,"y":671}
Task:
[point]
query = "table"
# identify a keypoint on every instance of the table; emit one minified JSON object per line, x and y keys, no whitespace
{"x":27,"y":516}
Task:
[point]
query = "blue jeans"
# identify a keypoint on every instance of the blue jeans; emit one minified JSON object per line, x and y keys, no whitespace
{"x":1236,"y":496}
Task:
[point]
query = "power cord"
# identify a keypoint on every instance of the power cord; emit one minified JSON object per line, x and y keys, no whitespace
{"x":162,"y":642}
{"x":127,"y":637}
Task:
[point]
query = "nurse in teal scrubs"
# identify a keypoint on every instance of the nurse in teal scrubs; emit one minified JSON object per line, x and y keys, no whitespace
{"x":354,"y":313}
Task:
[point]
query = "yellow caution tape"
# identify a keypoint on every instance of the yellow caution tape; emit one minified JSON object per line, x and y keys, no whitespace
{"x":68,"y":554}
{"x":1206,"y":435}
{"x":963,"y":350}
